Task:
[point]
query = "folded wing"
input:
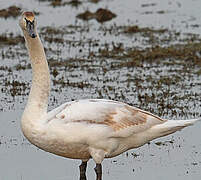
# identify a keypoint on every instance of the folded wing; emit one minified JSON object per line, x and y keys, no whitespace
{"x":120,"y":117}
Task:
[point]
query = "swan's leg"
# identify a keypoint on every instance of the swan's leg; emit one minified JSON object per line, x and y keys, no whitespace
{"x":98,"y":156}
{"x":98,"y":170}
{"x":83,"y":167}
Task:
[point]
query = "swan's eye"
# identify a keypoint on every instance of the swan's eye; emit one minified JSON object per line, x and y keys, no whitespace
{"x":26,"y":20}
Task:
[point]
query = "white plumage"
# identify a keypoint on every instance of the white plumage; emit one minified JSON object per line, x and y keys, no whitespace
{"x":84,"y":129}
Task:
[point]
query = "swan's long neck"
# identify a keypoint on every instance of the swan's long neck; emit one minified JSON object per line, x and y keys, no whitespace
{"x":38,"y":98}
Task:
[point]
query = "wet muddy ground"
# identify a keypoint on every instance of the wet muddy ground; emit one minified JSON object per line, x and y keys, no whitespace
{"x":144,"y":53}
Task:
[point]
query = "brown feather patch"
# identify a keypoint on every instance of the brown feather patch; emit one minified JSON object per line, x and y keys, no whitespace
{"x":143,"y":113}
{"x":132,"y":118}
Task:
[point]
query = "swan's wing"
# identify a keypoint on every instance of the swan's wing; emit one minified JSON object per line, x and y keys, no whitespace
{"x":115,"y":115}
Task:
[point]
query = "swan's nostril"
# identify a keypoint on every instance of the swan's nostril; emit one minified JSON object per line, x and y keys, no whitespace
{"x":33,"y":35}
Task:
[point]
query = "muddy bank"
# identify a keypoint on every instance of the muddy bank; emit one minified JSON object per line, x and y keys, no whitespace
{"x":12,"y":11}
{"x":101,"y":15}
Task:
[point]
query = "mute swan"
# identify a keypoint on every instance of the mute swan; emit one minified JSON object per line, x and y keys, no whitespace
{"x":83,"y":129}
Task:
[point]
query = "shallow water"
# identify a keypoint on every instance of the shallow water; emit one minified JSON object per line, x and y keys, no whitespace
{"x":169,"y":87}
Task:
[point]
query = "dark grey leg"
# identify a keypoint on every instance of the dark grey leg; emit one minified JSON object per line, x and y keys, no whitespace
{"x":98,"y":170}
{"x":83,"y":168}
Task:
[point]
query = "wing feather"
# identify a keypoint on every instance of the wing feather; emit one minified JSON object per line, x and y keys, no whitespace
{"x":116,"y":115}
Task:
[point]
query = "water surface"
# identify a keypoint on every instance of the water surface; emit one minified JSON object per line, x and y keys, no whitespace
{"x":88,"y":60}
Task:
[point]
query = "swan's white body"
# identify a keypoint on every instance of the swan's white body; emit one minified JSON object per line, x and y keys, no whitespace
{"x":84,"y":129}
{"x":97,"y":128}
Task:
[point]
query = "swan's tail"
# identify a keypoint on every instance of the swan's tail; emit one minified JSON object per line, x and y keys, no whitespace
{"x":171,"y":126}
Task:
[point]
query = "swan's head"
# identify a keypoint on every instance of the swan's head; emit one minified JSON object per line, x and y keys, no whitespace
{"x":28,"y":24}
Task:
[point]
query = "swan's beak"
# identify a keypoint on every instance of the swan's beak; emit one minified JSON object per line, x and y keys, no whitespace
{"x":31,"y":29}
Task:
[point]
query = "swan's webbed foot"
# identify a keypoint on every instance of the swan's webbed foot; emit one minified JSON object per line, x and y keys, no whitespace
{"x":83,"y":168}
{"x":98,"y":170}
